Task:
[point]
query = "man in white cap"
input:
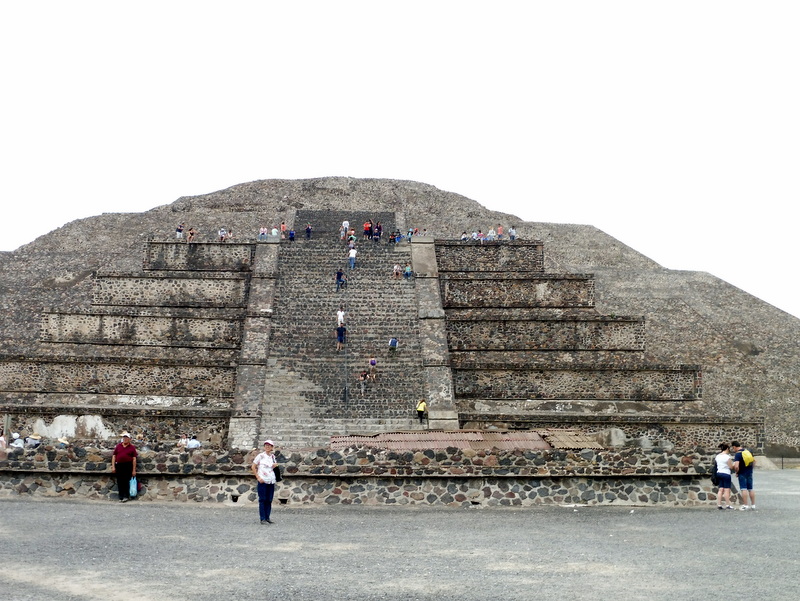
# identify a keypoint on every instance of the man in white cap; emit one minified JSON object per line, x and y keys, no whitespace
{"x":16,"y":441}
{"x":123,"y":464}
{"x":263,"y":469}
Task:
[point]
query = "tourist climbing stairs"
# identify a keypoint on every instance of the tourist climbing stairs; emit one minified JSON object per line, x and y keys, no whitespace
{"x":312,"y":390}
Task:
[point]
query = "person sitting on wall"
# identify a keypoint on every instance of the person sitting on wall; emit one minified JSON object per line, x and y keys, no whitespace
{"x":193,"y":443}
{"x":33,"y":441}
{"x":16,"y":441}
{"x":183,"y":441}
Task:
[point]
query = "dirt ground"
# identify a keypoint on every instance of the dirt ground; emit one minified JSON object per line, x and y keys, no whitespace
{"x":59,"y":550}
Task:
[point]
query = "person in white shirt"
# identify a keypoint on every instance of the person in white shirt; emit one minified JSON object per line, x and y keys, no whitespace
{"x":263,"y":468}
{"x":193,"y":443}
{"x":340,"y":316}
{"x":724,"y":465}
{"x":351,"y":256}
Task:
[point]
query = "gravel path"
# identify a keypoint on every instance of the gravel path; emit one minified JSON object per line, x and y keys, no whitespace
{"x":60,"y":550}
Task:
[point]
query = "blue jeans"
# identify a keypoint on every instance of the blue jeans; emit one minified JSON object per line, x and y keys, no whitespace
{"x":265,"y":494}
{"x":746,"y":481}
{"x":352,"y":262}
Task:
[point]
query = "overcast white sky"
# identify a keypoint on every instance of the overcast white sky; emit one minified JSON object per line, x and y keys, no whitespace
{"x":673,"y":126}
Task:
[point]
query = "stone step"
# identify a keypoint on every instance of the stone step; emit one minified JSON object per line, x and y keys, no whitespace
{"x":311,"y":404}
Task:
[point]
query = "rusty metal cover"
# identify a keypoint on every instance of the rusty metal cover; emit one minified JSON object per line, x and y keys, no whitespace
{"x":570,"y":439}
{"x":440,"y":439}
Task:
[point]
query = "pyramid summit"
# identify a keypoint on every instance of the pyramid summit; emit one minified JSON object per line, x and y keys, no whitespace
{"x":113,"y":323}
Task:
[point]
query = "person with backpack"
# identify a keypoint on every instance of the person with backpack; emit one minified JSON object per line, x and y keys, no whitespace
{"x":724,"y":464}
{"x":743,"y":463}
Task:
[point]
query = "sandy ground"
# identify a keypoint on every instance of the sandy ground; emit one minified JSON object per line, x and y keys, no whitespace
{"x":60,"y":550}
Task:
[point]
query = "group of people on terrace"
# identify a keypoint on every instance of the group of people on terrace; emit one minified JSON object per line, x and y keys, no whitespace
{"x":225,"y":234}
{"x":283,"y":232}
{"x":371,"y":230}
{"x":191,"y":233}
{"x":31,"y":441}
{"x":497,"y":233}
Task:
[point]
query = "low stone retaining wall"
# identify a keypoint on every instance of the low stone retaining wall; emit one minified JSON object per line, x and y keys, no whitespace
{"x":453,"y":477}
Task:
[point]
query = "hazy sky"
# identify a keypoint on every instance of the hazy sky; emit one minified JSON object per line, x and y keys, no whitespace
{"x":673,"y":126}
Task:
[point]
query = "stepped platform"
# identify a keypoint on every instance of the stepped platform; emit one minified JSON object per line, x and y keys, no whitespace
{"x":240,"y":337}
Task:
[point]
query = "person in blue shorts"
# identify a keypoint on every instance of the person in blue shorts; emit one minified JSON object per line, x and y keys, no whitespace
{"x":341,"y":337}
{"x":724,"y":465}
{"x":745,"y":474}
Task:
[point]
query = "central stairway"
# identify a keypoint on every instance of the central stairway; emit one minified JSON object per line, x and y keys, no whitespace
{"x":312,"y":391}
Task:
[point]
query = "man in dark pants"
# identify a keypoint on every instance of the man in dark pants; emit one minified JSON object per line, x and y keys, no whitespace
{"x":341,"y":337}
{"x":263,"y":468}
{"x":123,"y":464}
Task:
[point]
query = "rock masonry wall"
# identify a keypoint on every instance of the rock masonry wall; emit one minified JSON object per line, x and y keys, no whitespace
{"x":452,"y":477}
{"x":515,"y":290}
{"x":117,"y":378}
{"x":547,"y":334}
{"x":491,"y":256}
{"x":184,"y":290}
{"x":229,"y":256}
{"x":576,"y":383}
{"x":145,"y":330}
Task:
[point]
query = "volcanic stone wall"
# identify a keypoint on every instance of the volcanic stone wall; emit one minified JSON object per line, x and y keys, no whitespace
{"x":563,"y":333}
{"x":577,"y":382}
{"x":516,"y":290}
{"x":177,"y":329}
{"x":229,"y":256}
{"x":493,"y":256}
{"x":116,"y":378}
{"x":449,"y":477}
{"x":176,"y":290}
